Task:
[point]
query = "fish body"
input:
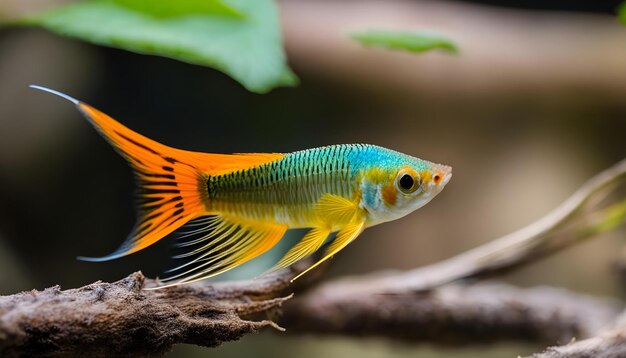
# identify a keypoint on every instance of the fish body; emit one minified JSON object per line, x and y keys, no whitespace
{"x":238,"y":206}
{"x":288,"y":190}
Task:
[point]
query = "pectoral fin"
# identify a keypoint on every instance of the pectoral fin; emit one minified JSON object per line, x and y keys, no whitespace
{"x":336,"y":210}
{"x":345,"y":236}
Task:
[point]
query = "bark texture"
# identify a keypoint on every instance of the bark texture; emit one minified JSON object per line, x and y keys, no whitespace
{"x":110,"y":319}
{"x":122,"y":318}
{"x":610,"y":345}
{"x":454,"y":314}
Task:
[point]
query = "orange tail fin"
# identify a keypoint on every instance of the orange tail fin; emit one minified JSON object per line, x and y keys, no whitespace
{"x":172,"y":187}
{"x":172,"y":182}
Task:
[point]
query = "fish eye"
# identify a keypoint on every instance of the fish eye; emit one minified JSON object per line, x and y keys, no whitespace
{"x":407,"y":181}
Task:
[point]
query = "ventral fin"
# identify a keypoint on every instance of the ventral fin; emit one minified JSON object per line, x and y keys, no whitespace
{"x":345,"y":236}
{"x":310,"y":243}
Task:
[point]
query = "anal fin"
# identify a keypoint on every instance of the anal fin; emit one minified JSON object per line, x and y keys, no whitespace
{"x":345,"y":236}
{"x":226,"y":243}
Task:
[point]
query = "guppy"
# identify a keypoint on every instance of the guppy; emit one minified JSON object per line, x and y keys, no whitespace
{"x":238,"y":206}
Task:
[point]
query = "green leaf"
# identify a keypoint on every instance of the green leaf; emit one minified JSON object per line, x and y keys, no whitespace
{"x":608,"y":219}
{"x":621,"y":13}
{"x":238,"y":37}
{"x":165,"y":8}
{"x":405,"y":40}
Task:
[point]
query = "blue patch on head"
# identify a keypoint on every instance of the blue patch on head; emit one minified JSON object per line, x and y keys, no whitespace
{"x":369,"y":156}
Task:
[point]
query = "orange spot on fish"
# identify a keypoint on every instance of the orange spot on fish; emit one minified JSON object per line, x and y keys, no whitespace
{"x":390,"y":194}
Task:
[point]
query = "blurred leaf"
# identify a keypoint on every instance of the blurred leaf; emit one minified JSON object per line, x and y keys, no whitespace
{"x":238,"y":37}
{"x":405,"y":40}
{"x":621,"y":13}
{"x":166,"y":8}
{"x":610,"y":218}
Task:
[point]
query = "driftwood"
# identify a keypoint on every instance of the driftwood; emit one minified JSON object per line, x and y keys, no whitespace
{"x":453,"y":314}
{"x":122,"y":319}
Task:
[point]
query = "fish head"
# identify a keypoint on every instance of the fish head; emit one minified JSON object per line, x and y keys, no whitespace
{"x":399,"y":184}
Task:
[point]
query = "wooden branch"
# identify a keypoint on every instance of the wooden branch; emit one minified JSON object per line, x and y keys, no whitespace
{"x":122,"y":319}
{"x":454,"y":314}
{"x":111,"y":319}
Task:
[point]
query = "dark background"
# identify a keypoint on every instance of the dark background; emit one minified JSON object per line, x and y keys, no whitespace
{"x":516,"y":153}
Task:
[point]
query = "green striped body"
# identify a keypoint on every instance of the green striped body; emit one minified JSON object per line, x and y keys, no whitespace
{"x":286,"y":191}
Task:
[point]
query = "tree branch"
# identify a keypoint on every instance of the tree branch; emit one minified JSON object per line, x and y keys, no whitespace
{"x":146,"y":322}
{"x":110,"y":319}
{"x":454,"y":314}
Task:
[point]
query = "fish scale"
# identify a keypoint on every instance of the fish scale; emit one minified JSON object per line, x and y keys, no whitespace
{"x":291,"y":185}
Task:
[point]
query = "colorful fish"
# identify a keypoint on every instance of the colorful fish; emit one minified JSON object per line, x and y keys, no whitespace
{"x":238,"y":206}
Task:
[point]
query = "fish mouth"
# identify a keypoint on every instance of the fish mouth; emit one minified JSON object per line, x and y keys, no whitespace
{"x":445,"y":172}
{"x":446,"y":178}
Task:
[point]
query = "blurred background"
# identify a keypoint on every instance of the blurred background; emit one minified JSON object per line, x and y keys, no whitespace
{"x":531,"y":108}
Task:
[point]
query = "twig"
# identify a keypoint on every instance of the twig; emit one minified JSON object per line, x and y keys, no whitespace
{"x":538,"y":239}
